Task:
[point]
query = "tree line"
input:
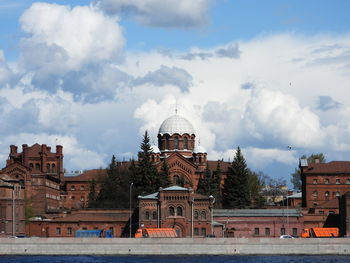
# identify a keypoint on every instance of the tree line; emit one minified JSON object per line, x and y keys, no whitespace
{"x":240,"y":188}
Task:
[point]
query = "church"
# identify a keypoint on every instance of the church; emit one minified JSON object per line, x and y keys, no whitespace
{"x":34,"y":180}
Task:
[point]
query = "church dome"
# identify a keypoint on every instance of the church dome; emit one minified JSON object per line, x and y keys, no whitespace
{"x":176,"y":124}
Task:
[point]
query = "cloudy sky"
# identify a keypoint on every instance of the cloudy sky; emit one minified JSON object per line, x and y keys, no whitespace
{"x":259,"y":74}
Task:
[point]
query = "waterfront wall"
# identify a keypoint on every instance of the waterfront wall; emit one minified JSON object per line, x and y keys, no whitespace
{"x":176,"y":246}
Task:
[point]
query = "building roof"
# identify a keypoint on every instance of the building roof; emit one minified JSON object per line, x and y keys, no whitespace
{"x":256,"y":212}
{"x":175,"y":188}
{"x":86,"y":176}
{"x":334,"y":167}
{"x":176,"y":124}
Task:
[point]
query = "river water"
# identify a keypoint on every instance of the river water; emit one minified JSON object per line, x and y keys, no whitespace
{"x":176,"y":259}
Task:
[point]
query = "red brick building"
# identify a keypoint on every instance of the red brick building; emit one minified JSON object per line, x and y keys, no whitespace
{"x":322,"y":185}
{"x":177,"y":207}
{"x":66,"y":225}
{"x":40,"y":171}
{"x":12,"y":221}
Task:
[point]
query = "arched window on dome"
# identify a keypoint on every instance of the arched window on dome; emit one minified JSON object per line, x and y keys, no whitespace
{"x":176,"y":143}
{"x":167,"y":142}
{"x":185,"y":143}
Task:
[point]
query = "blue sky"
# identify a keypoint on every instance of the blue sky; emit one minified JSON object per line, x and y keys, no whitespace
{"x":259,"y":74}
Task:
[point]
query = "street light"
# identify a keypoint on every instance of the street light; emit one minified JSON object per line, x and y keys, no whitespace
{"x":130,"y":209}
{"x":212,"y":199}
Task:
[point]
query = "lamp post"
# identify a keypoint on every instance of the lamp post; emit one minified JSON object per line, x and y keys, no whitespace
{"x":212,"y":201}
{"x":130,"y":225}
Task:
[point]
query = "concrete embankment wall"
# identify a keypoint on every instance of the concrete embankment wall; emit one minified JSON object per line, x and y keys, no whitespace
{"x":176,"y":246}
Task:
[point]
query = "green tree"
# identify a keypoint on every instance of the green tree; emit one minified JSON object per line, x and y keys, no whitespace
{"x":147,"y":177}
{"x":217,"y":186}
{"x":204,"y":186}
{"x":164,"y":174}
{"x":114,"y":191}
{"x":296,"y":176}
{"x":92,"y":194}
{"x":256,"y":185}
{"x":235,"y":193}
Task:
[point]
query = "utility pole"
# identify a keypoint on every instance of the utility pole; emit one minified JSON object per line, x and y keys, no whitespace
{"x":130,"y":225}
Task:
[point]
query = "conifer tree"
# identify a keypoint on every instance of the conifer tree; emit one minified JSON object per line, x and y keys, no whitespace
{"x":236,"y":189}
{"x":205,"y":182}
{"x":147,"y":180}
{"x":217,"y":186}
{"x":92,"y":194}
{"x":164,"y":174}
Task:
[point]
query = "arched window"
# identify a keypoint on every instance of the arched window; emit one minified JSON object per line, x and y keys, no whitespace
{"x":326,"y":195}
{"x":347,"y":181}
{"x":147,"y":215}
{"x":176,"y":143}
{"x":53,"y":168}
{"x":185,"y":143}
{"x":196,"y":215}
{"x":179,"y":211}
{"x":167,"y":142}
{"x":326,"y":181}
{"x":48,"y":167}
{"x":31,"y":166}
{"x":154,"y":215}
{"x":203,"y":215}
{"x":37,"y":167}
{"x":171,"y":211}
{"x":315,"y":194}
{"x":337,"y":194}
{"x":176,"y":179}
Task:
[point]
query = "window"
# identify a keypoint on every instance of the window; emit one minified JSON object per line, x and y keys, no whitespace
{"x":347,"y":181}
{"x":295,"y":231}
{"x":185,"y":143}
{"x":203,"y":215}
{"x":176,"y":179}
{"x":314,"y":181}
{"x":326,"y":181}
{"x":337,"y":194}
{"x":82,"y":187}
{"x":58,"y":231}
{"x":154,"y":215}
{"x":171,"y":211}
{"x":311,"y":211}
{"x":179,"y":211}
{"x":69,"y":231}
{"x":84,"y":228}
{"x":37,"y":166}
{"x":326,"y":195}
{"x":315,"y":194}
{"x":204,"y":231}
{"x":147,"y":215}
{"x":331,"y":212}
{"x":167,"y":143}
{"x":196,"y":215}
{"x":31,"y":166}
{"x":48,"y":166}
{"x":267,"y":231}
{"x":53,"y":168}
{"x":72,"y":187}
{"x":256,"y":231}
{"x":321,"y":212}
{"x":73,"y":197}
{"x":176,"y":143}
{"x":337,"y":181}
{"x":82,"y":198}
{"x":196,"y":232}
{"x":283,"y":231}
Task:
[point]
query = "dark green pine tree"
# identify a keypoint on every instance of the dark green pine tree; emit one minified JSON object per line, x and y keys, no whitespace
{"x":236,"y":189}
{"x":204,"y":186}
{"x":148,"y":179}
{"x":92,"y":194}
{"x":114,"y":190}
{"x":216,"y":186}
{"x":164,"y":174}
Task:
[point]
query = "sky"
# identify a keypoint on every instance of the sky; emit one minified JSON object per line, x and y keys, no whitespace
{"x":270,"y":76}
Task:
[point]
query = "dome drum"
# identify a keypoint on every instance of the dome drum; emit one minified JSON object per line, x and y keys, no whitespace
{"x":176,"y":142}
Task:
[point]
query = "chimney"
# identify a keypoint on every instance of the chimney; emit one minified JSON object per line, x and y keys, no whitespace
{"x":59,"y":149}
{"x":13,"y":149}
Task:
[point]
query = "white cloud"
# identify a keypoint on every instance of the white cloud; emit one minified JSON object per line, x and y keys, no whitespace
{"x":63,"y":38}
{"x":160,"y":13}
{"x":5,"y":72}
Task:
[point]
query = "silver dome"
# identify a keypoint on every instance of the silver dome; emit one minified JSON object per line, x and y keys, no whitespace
{"x":176,"y":124}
